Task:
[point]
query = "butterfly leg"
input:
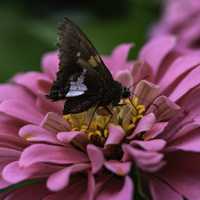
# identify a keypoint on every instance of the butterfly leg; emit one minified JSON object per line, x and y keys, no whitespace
{"x":110,"y":118}
{"x":91,"y":118}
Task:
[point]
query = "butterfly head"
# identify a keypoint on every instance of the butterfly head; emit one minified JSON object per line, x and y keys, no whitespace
{"x":125,"y":92}
{"x":118,"y":92}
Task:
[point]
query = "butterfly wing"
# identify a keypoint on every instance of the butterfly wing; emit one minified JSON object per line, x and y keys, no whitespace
{"x":76,"y":53}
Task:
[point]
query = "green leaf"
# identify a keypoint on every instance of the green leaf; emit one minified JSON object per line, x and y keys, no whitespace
{"x":139,"y":193}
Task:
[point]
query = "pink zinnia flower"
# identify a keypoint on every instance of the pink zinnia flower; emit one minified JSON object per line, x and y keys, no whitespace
{"x":150,"y":148}
{"x":181,"y":18}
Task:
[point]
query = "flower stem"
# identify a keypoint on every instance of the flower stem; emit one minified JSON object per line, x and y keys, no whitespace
{"x":139,"y":193}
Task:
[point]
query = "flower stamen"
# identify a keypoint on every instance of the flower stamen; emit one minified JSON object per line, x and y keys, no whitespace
{"x":127,"y":116}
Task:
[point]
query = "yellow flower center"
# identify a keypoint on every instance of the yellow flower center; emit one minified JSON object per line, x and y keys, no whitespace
{"x":127,"y":116}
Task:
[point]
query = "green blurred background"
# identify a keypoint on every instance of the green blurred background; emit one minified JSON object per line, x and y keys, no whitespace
{"x":28,"y":28}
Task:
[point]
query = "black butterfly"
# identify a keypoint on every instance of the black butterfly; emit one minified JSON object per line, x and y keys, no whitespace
{"x":83,"y":80}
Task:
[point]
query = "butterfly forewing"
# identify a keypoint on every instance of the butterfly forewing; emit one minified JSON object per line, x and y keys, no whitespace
{"x":76,"y":50}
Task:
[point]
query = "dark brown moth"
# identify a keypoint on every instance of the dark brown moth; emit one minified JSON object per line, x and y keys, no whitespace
{"x":83,"y":80}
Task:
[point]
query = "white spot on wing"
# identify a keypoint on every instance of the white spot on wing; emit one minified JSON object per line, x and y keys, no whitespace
{"x":78,"y":54}
{"x":77,"y":87}
{"x":74,"y":93}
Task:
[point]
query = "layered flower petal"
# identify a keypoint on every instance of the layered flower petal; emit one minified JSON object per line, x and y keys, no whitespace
{"x":118,"y":60}
{"x":50,"y":63}
{"x":185,"y":179}
{"x":21,"y":111}
{"x":30,"y":80}
{"x":13,"y":173}
{"x":51,"y":154}
{"x":119,"y":168}
{"x":154,"y":56}
{"x":116,"y":135}
{"x":161,"y":190}
{"x":190,"y":81}
{"x":96,"y":157}
{"x":60,"y":179}
{"x":89,"y":155}
{"x":35,"y":133}
{"x":119,"y":190}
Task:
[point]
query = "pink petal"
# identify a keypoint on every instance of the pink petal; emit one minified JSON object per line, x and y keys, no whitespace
{"x":116,"y":135}
{"x":96,"y":157}
{"x":189,"y":142}
{"x":21,"y":110}
{"x":75,"y":191}
{"x":11,"y":91}
{"x":37,"y":134}
{"x":146,"y":92}
{"x":3,"y":184}
{"x":44,"y":86}
{"x":7,"y":153}
{"x":121,"y":52}
{"x":146,"y":160}
{"x":13,"y":173}
{"x":190,"y":34}
{"x":182,"y":174}
{"x":145,"y":124}
{"x":125,"y":78}
{"x":179,"y":67}
{"x":185,"y":130}
{"x":59,"y":180}
{"x":117,"y":190}
{"x":117,"y":167}
{"x":190,"y":81}
{"x":12,"y":141}
{"x":90,"y":193}
{"x":140,"y":71}
{"x":74,"y":137}
{"x":45,"y":105}
{"x":160,"y":190}
{"x":30,"y":80}
{"x":152,"y":145}
{"x":190,"y":103}
{"x":10,"y":125}
{"x":155,"y":131}
{"x":6,"y":156}
{"x":174,"y":125}
{"x":54,"y":122}
{"x":163,"y":108}
{"x":50,"y":63}
{"x":152,"y":167}
{"x":52,"y":154}
{"x":156,"y":50}
{"x":140,"y":154}
{"x":118,"y":60}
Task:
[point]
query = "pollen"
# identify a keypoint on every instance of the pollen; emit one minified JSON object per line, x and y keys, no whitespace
{"x":28,"y":137}
{"x":97,"y":128}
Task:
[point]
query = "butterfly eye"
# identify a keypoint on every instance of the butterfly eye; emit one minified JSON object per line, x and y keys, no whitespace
{"x":126,"y":92}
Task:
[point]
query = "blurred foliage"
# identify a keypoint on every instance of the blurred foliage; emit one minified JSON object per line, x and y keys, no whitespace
{"x":28,"y":28}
